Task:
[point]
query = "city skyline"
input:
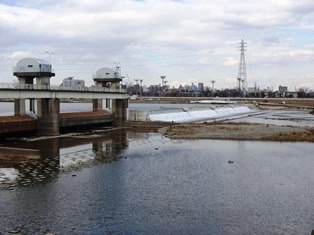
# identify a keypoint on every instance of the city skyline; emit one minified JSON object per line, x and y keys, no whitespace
{"x":188,"y":41}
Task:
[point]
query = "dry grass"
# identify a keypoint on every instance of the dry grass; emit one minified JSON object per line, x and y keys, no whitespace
{"x":307,"y":136}
{"x":240,"y":131}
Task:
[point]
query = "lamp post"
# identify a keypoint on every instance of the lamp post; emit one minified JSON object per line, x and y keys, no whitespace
{"x":49,"y":53}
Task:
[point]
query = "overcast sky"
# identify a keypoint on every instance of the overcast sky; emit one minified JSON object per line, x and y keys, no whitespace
{"x":188,"y":41}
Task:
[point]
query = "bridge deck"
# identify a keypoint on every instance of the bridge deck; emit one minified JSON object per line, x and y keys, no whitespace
{"x":28,"y":91}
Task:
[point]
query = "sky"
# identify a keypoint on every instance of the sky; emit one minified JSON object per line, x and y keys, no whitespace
{"x":188,"y":41}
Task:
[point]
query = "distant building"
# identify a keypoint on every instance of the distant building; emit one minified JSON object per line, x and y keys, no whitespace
{"x":154,"y":89}
{"x":283,"y":89}
{"x":200,"y":86}
{"x":251,"y":89}
{"x":70,"y":82}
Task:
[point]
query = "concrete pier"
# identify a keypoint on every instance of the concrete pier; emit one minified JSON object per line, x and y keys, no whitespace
{"x":48,"y":116}
{"x":119,"y":109}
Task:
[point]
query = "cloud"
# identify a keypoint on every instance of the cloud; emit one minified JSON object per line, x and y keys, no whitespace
{"x":231,"y":61}
{"x":153,"y":37}
{"x":18,"y":55}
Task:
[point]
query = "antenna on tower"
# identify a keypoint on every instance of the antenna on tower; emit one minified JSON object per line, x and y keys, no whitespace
{"x":242,"y":76}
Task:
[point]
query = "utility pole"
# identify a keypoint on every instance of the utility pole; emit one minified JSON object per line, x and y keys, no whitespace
{"x":242,"y":76}
{"x":136,"y":86}
{"x":141,"y":88}
{"x":118,"y":69}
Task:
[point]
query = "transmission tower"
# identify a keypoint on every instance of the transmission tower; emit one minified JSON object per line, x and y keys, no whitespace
{"x":242,"y":76}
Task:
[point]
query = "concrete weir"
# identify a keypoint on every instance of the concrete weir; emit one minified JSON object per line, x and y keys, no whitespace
{"x":184,"y":115}
{"x":191,"y":115}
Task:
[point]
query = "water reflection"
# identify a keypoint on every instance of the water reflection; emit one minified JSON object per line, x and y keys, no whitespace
{"x":165,"y":187}
{"x":61,"y":155}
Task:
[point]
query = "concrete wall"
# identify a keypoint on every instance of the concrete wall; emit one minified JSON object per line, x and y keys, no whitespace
{"x":15,"y":127}
{"x":137,"y":115}
{"x":85,"y":120}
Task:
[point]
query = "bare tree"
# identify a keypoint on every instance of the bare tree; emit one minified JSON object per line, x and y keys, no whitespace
{"x":303,"y":92}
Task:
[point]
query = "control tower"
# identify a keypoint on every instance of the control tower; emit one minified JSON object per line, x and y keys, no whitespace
{"x":111,"y":79}
{"x":46,"y":110}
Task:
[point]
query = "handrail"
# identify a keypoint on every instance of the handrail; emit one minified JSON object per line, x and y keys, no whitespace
{"x":17,"y":86}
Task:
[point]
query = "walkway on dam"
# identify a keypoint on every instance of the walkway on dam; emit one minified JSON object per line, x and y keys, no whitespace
{"x":27,"y":91}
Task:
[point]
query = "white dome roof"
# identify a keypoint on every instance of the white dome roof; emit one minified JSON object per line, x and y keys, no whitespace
{"x":32,"y":65}
{"x":106,"y":73}
{"x":31,"y":61}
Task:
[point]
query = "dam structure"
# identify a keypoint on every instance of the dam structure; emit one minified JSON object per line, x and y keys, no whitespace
{"x":193,"y":115}
{"x":37,"y":102}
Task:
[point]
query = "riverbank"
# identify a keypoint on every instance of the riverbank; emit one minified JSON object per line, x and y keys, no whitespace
{"x":293,"y":123}
{"x":227,"y":131}
{"x":239,"y":131}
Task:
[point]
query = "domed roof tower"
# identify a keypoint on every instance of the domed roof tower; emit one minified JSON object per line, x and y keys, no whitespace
{"x":107,"y":75}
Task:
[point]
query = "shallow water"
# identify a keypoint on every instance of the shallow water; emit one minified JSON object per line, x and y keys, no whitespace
{"x":281,"y":118}
{"x":144,"y":183}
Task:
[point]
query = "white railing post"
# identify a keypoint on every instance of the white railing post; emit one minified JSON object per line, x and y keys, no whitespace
{"x":17,"y":86}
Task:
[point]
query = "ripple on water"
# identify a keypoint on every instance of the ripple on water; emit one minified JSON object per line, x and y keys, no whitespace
{"x":182,"y":187}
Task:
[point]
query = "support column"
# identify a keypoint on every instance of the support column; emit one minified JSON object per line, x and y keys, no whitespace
{"x":19,"y":104}
{"x":19,"y":107}
{"x":119,"y":109}
{"x":97,"y":105}
{"x":41,"y":81}
{"x":48,"y":116}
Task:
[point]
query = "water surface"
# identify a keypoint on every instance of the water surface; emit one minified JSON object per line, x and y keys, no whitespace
{"x":144,"y":183}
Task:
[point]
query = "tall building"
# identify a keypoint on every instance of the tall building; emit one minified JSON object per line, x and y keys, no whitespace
{"x":201,"y":86}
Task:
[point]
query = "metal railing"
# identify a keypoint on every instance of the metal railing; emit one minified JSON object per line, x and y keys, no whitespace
{"x":17,"y":86}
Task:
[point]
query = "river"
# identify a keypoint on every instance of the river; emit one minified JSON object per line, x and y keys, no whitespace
{"x":124,"y":182}
{"x":144,"y":183}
